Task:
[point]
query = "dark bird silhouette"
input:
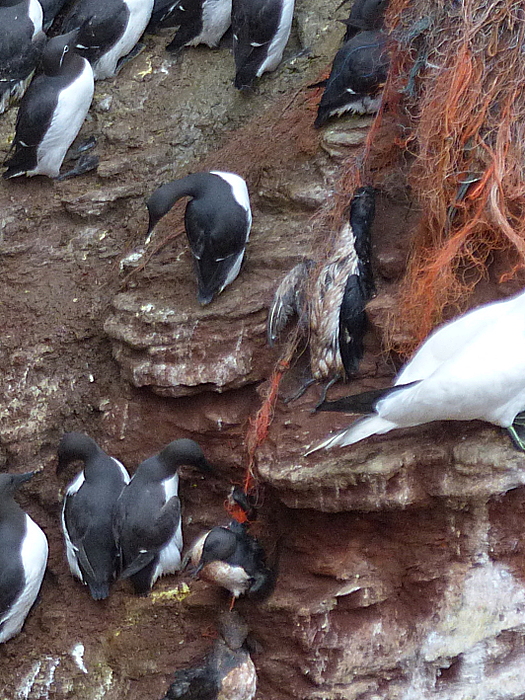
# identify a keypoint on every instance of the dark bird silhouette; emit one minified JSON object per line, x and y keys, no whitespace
{"x":218,"y":219}
{"x":226,"y":673}
{"x":364,"y":15}
{"x":23,"y":558}
{"x":88,"y":511}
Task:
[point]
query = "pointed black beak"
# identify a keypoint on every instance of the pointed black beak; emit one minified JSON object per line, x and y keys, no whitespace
{"x":22,"y":478}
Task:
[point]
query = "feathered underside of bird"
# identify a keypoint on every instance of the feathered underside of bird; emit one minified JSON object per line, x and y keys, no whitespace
{"x":289,"y":300}
{"x":329,"y":299}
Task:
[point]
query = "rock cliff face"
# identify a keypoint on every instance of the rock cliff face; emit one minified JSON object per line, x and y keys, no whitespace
{"x":401,"y":564}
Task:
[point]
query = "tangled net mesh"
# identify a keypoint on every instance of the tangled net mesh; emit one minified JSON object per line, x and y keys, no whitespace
{"x":454,"y":109}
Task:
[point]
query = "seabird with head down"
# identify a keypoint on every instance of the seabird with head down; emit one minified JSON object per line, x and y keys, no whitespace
{"x":147,"y":522}
{"x":23,"y":558}
{"x":472,"y":368}
{"x":52,"y":111}
{"x":217,"y":219}
{"x":88,"y":511}
{"x":358,"y":73}
{"x":260,"y":31}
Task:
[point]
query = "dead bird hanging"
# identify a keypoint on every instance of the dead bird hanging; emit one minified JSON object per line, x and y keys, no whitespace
{"x":329,"y":298}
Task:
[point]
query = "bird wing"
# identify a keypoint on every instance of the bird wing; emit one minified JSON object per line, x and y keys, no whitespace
{"x":289,"y":299}
{"x":151,"y":537}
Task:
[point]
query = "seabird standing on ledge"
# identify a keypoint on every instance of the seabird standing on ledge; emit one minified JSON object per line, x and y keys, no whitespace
{"x":260,"y":31}
{"x":201,"y":22}
{"x":218,"y":219}
{"x":109,"y":30}
{"x":88,"y":510}
{"x":23,"y":558}
{"x":147,"y":523}
{"x":52,"y":111}
{"x":472,"y":368}
{"x":21,"y":43}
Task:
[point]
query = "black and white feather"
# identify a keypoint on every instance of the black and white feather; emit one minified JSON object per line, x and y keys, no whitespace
{"x":218,"y":219}
{"x":329,"y":299}
{"x":21,"y":43}
{"x":201,"y":22}
{"x":108,"y":30}
{"x":88,"y":510}
{"x":261,"y":29}
{"x":358,"y":73}
{"x":147,"y":524}
{"x":23,"y":558}
{"x":232,"y":558}
{"x":52,"y":111}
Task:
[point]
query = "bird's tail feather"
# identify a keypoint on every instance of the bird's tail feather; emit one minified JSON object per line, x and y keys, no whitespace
{"x":361,"y":429}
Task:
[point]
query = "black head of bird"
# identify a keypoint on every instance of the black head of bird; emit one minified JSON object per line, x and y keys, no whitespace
{"x":10,"y":483}
{"x":75,"y":446}
{"x":184,"y":452}
{"x":58,"y":52}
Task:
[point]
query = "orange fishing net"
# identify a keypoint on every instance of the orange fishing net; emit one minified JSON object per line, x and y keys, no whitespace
{"x":454,"y":111}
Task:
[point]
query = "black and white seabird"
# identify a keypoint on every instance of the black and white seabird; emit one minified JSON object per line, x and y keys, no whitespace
{"x":472,"y":368}
{"x":109,"y":30}
{"x":364,"y":15}
{"x":358,"y":73}
{"x":331,"y":305}
{"x":201,"y":22}
{"x":23,"y":558}
{"x":218,"y":219}
{"x":88,"y":511}
{"x":165,"y":14}
{"x":260,"y":31}
{"x":232,"y":558}
{"x":227,"y":672}
{"x":21,"y":43}
{"x":52,"y":111}
{"x":147,"y":523}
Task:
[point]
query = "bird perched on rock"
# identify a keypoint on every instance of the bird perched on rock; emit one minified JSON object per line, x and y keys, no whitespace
{"x":21,"y":43}
{"x":226,"y":673}
{"x":472,"y":368}
{"x":201,"y":22}
{"x":108,"y":31}
{"x":52,"y":110}
{"x":23,"y":558}
{"x":260,"y":31}
{"x":88,"y":511}
{"x":232,"y":558}
{"x":331,"y":306}
{"x":218,"y":219}
{"x":147,"y":522}
{"x":364,"y":15}
{"x":358,"y":73}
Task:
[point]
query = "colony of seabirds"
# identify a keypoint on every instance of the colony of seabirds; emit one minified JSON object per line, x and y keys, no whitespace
{"x":115,"y":526}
